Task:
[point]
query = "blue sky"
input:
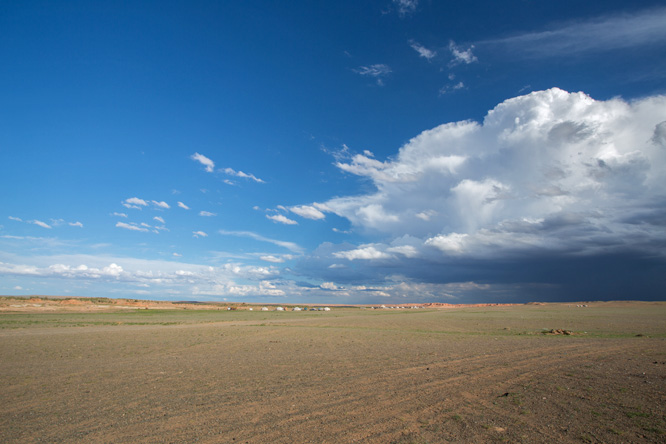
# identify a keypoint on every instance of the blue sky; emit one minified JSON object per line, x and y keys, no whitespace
{"x":338,"y":152}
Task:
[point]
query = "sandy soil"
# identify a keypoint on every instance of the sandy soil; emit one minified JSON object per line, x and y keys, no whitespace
{"x":348,"y":376}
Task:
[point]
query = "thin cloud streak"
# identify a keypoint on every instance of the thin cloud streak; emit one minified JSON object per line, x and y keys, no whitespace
{"x":422,"y":50}
{"x":603,"y":34}
{"x":131,"y":227}
{"x":288,"y":245}
{"x":378,"y":71}
{"x":41,"y":224}
{"x":279,"y":218}
{"x":232,"y":172}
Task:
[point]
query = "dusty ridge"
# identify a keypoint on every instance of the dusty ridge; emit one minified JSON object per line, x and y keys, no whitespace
{"x":38,"y":303}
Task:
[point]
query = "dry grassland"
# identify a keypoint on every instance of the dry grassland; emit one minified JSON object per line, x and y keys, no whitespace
{"x":345,"y":376}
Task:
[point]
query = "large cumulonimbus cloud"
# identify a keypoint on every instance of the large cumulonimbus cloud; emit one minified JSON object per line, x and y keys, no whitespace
{"x":551,"y":173}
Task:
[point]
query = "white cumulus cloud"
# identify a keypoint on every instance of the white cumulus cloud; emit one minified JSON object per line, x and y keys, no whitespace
{"x":308,"y":212}
{"x":152,"y":276}
{"x":281,"y":219}
{"x":205,"y":161}
{"x":364,"y":252}
{"x":271,"y":258}
{"x":329,"y":286}
{"x":134,"y":202}
{"x":161,"y":204}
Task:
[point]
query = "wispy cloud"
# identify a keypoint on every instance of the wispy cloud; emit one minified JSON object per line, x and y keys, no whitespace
{"x":131,"y":226}
{"x":281,"y":219}
{"x":406,"y":7}
{"x":602,"y":34}
{"x":205,"y":161}
{"x":460,"y":55}
{"x":183,"y":206}
{"x":377,"y":71}
{"x":76,"y":224}
{"x":159,"y":219}
{"x":206,"y":214}
{"x":119,"y":214}
{"x":17,"y":219}
{"x":199,"y":234}
{"x":450,"y":88}
{"x":422,"y":50}
{"x":288,"y":245}
{"x":161,"y":204}
{"x":232,"y":172}
{"x":41,"y":224}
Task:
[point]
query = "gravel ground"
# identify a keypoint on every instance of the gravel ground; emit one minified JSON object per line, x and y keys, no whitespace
{"x":350,"y":377}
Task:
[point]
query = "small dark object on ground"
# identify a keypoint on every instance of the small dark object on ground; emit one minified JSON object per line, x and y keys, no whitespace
{"x":558,"y":331}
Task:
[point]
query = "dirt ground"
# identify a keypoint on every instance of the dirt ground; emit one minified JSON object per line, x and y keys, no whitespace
{"x":489,"y":374}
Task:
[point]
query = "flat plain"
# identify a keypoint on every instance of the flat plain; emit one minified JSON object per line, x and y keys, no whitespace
{"x":351,"y":375}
